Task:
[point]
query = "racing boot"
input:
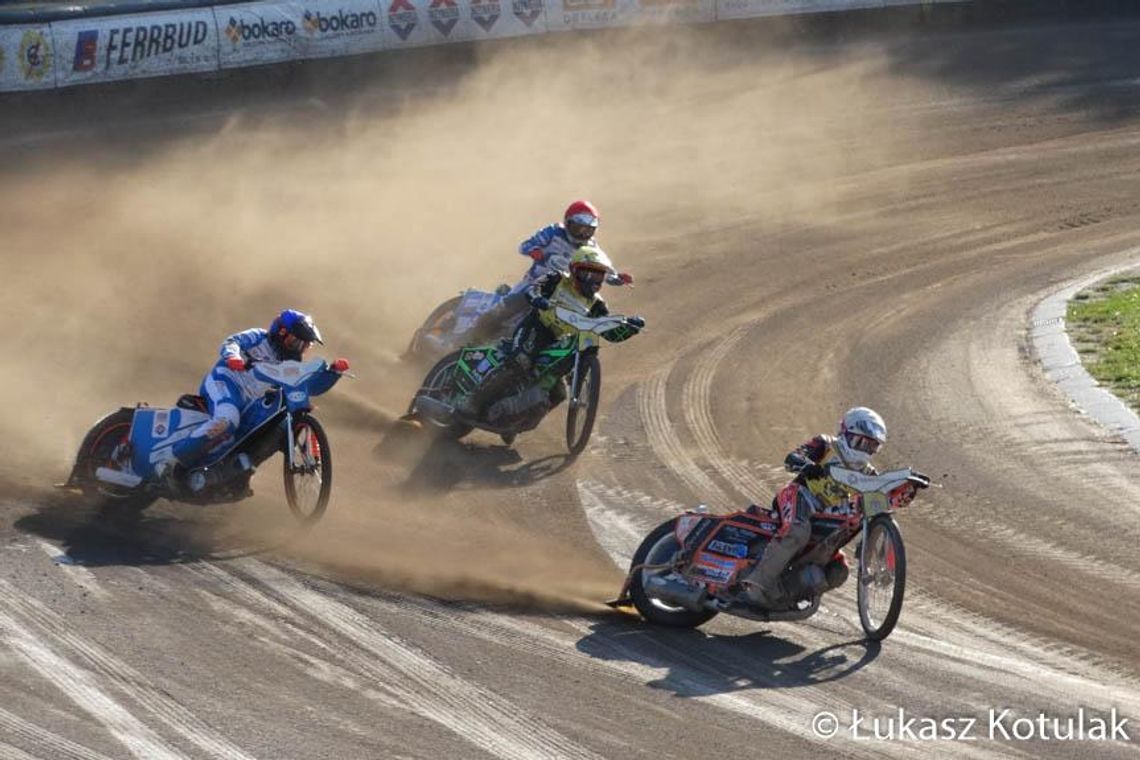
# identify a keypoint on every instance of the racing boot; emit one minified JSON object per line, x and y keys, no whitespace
{"x":558,"y":392}
{"x":762,"y":584}
{"x":186,"y":453}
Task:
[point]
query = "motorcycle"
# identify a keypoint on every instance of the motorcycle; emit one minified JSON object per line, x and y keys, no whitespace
{"x":527,"y":401}
{"x":447,"y":328}
{"x":120,"y":457}
{"x":688,"y":569}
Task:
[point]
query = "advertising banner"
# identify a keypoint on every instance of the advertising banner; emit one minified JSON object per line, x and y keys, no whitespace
{"x":729,"y":9}
{"x":566,"y":15}
{"x":257,"y":33}
{"x":138,"y":45}
{"x":27,"y":59}
{"x":436,"y":22}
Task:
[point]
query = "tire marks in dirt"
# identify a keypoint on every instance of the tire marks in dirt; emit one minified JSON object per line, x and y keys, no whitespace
{"x":26,"y":623}
{"x":415,"y":679}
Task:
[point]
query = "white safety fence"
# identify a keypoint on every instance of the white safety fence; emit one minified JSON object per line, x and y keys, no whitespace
{"x":103,"y":49}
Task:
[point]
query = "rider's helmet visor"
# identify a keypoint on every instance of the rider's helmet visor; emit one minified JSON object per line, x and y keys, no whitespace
{"x":864,"y":443}
{"x":580,"y":230}
{"x":590,"y":276}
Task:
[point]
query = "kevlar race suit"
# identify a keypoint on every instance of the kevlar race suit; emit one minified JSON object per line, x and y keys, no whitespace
{"x":549,"y":250}
{"x":537,"y":331}
{"x":227,"y":393}
{"x":812,"y":491}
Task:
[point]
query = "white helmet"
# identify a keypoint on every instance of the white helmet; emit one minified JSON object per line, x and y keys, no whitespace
{"x":861,"y":433}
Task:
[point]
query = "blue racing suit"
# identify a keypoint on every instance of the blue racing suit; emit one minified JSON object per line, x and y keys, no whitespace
{"x":227,"y":393}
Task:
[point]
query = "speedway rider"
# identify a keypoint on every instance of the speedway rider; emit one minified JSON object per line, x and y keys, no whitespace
{"x":229,"y":387}
{"x":549,"y":250}
{"x":577,"y":290}
{"x":813,"y":490}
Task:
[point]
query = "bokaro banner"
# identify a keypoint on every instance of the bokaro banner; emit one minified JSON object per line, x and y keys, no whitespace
{"x":124,"y":47}
{"x":27,"y":60}
{"x":255,"y":33}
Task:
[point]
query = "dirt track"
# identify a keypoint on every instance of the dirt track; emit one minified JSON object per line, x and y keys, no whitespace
{"x":829,"y":224}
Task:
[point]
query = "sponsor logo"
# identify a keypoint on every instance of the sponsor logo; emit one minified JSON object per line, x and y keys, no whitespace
{"x":714,"y":568}
{"x":238,"y":31}
{"x":402,"y":18}
{"x":486,"y":13}
{"x":86,"y":48}
{"x":161,"y":424}
{"x":527,"y":11}
{"x":35,"y":56}
{"x":732,"y":550}
{"x":444,"y":15}
{"x":131,"y":44}
{"x":316,"y":22}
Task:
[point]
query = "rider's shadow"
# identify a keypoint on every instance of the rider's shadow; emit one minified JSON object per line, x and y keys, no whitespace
{"x":700,"y":664}
{"x":94,"y":537}
{"x":447,"y":464}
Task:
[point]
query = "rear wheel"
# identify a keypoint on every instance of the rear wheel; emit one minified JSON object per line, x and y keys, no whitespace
{"x":108,"y":444}
{"x":308,"y":479}
{"x":582,"y":406}
{"x":439,"y":322}
{"x":659,"y":548}
{"x":882,"y":578}
{"x":439,"y":385}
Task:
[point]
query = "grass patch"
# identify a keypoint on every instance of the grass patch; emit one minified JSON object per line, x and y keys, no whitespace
{"x":1104,"y":325}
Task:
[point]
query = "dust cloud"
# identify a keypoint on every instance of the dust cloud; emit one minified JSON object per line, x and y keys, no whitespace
{"x":124,"y":266}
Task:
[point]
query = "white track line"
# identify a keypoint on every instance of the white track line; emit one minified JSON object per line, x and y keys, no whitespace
{"x":475,"y":714}
{"x":15,"y":726}
{"x":79,"y":685}
{"x":152,"y":698}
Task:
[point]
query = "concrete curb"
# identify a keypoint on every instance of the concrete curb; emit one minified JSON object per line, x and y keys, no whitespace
{"x":1062,"y":364}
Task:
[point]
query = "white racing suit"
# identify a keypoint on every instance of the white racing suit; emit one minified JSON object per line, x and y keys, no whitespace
{"x":549,"y":250}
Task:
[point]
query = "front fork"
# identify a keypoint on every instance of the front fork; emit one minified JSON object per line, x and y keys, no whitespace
{"x":574,"y":380}
{"x":289,"y":440}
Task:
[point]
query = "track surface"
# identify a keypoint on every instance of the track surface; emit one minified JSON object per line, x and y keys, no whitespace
{"x":965,"y":177}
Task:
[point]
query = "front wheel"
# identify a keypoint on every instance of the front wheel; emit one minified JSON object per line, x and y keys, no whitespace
{"x":308,"y":477}
{"x":659,"y":548}
{"x":583,"y":405}
{"x":882,"y":577}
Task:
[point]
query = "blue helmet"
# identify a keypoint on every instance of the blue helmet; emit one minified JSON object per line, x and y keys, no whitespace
{"x":291,"y":332}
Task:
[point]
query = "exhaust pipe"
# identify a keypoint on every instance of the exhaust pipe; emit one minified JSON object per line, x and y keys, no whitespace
{"x":117,"y":477}
{"x":672,"y":591}
{"x":434,"y":410}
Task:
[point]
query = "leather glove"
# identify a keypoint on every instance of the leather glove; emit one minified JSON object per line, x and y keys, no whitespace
{"x":536,"y":254}
{"x":637,"y":322}
{"x":540,"y":303}
{"x":236,"y":363}
{"x":340,"y":365}
{"x":626,"y":278}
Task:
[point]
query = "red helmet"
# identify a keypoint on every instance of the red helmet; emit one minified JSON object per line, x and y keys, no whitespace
{"x":581,"y":221}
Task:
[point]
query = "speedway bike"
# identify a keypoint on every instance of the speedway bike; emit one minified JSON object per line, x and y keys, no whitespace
{"x":572,"y":359}
{"x":688,"y":569}
{"x":120,"y":459}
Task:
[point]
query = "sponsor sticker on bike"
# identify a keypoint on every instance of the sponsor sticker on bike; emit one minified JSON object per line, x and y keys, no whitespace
{"x":27,"y":58}
{"x":135,"y":45}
